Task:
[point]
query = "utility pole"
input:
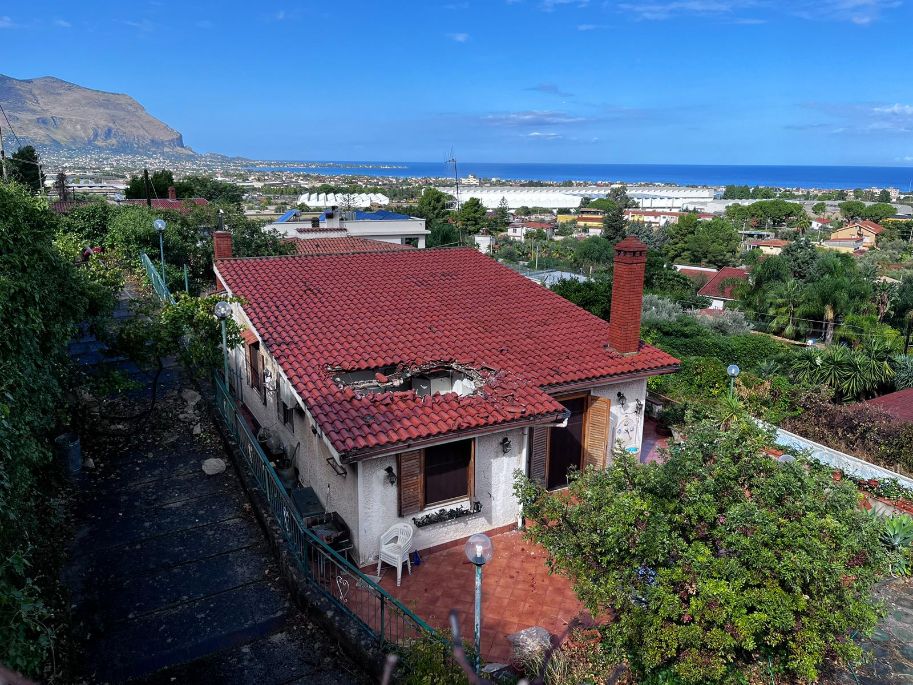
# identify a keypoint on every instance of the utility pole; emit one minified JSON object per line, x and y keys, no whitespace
{"x":147,"y":185}
{"x":2,"y":156}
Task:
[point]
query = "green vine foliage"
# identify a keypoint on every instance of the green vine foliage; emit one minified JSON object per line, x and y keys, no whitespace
{"x":42,"y":295}
{"x":720,"y":563}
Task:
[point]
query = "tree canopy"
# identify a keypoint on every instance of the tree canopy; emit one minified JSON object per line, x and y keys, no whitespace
{"x":23,"y":167}
{"x":695,"y":241}
{"x":719,"y":564}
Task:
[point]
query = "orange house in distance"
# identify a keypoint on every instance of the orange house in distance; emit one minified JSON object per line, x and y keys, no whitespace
{"x":868,"y":231}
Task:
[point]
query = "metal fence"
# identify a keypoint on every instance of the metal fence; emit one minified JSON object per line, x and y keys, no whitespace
{"x":380,"y":615}
{"x":158,"y":285}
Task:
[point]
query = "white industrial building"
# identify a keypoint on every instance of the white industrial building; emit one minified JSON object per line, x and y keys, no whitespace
{"x":561,"y":197}
{"x":383,"y":225}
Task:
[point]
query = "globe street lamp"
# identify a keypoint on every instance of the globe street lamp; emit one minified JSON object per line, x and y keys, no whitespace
{"x":160,"y":227}
{"x":223,"y":311}
{"x":479,"y":551}
{"x":732,"y":370}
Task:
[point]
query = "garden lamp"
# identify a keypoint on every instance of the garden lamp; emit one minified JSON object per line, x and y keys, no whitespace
{"x":223,"y":311}
{"x":479,"y":551}
{"x":732,"y":370}
{"x":160,"y":225}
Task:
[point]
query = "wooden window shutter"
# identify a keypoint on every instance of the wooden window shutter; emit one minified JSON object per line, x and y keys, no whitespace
{"x":538,"y":454}
{"x":410,"y":482}
{"x":596,"y":432}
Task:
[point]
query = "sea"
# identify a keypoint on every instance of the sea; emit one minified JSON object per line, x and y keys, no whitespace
{"x":835,"y":177}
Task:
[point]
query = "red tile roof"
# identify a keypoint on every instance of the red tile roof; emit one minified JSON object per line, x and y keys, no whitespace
{"x":718,"y":288}
{"x":182,"y":206}
{"x":320,"y":314}
{"x":312,"y":246}
{"x":898,"y":404}
{"x":65,"y":206}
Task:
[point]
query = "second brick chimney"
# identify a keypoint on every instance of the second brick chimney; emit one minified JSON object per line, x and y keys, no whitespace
{"x":627,"y":295}
{"x":221,"y":245}
{"x":172,"y":193}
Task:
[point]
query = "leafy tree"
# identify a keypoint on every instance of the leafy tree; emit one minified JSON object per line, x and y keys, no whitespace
{"x":159,"y":181}
{"x":433,"y":206}
{"x":594,"y":251}
{"x":801,"y":256}
{"x":852,"y":209}
{"x":23,"y":167}
{"x":471,"y":217}
{"x":878,"y":212}
{"x":442,"y":233}
{"x":501,"y":220}
{"x":720,"y":563}
{"x":594,"y":295}
{"x":220,"y":192}
{"x":883,"y":196}
{"x":654,"y":238}
{"x":614,"y":225}
{"x":819,"y":208}
{"x":693,"y":241}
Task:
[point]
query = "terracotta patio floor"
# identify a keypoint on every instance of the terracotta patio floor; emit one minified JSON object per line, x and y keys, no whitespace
{"x":517,"y":593}
{"x":651,"y":443}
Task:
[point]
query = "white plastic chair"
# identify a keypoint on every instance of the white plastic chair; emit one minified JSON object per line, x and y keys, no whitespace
{"x":394,"y":549}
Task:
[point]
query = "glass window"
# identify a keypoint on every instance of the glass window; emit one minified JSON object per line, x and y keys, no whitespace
{"x":447,"y":471}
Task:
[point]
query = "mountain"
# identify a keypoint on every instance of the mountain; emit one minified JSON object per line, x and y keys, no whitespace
{"x":56,"y":115}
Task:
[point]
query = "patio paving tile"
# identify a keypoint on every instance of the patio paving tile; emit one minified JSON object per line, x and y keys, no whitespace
{"x":517,"y":593}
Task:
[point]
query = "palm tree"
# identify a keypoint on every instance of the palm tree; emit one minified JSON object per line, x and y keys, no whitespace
{"x":783,"y":305}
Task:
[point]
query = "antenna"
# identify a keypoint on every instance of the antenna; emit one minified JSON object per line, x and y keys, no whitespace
{"x":456,"y":177}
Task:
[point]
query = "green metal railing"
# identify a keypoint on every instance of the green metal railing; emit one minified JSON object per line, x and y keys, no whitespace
{"x":379,"y":614}
{"x":158,"y":285}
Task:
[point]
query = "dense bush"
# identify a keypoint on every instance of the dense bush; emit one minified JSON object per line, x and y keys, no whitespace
{"x":720,"y":564}
{"x":42,"y":296}
{"x":687,"y":338}
{"x":862,"y":430}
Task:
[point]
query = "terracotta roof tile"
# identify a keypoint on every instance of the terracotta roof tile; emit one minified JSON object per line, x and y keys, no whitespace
{"x":898,"y":404}
{"x":407,"y":308}
{"x":718,"y":287}
{"x":314,"y":246}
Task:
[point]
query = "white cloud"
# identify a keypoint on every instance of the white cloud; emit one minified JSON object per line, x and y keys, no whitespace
{"x":859,"y":12}
{"x":6,"y":23}
{"x":551,"y":5}
{"x":898,"y":109}
{"x":532,"y":118}
{"x":542,"y":135}
{"x":589,"y":27}
{"x":459,"y":37}
{"x":62,"y":23}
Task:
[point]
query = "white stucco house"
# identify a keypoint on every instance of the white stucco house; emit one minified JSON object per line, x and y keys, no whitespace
{"x":383,"y":225}
{"x":411,"y":385}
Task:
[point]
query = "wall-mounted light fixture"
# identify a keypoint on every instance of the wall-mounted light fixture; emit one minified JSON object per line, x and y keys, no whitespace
{"x":638,"y":406}
{"x":505,"y":444}
{"x":391,"y":475}
{"x":622,"y":400}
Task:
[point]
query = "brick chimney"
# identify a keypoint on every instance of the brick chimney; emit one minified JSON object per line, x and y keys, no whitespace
{"x":627,"y":295}
{"x":221,"y":245}
{"x":172,"y":193}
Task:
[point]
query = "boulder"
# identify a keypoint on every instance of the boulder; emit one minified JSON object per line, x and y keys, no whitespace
{"x":213,"y":466}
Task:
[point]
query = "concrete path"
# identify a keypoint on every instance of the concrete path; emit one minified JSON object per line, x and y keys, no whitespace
{"x":170,"y":578}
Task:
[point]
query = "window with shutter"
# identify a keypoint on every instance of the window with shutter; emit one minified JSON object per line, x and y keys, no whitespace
{"x":410,"y":482}
{"x":596,"y":435}
{"x":253,"y":363}
{"x":538,"y":454}
{"x":447,"y":471}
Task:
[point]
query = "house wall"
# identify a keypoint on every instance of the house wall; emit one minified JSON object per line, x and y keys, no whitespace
{"x":627,"y":425}
{"x":494,"y":475}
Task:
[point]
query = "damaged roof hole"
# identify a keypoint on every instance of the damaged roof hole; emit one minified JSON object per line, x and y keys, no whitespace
{"x":427,"y":379}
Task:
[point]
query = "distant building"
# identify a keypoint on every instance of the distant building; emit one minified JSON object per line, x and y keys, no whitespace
{"x":720,"y":287}
{"x":384,"y":225}
{"x":770,"y":246}
{"x":171,"y":202}
{"x":653,"y":217}
{"x":868,"y":231}
{"x":349,"y":200}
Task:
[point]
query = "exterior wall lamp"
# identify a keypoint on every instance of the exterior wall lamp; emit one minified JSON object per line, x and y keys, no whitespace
{"x":391,"y":475}
{"x":622,"y":400}
{"x":638,"y":406}
{"x":505,"y":444}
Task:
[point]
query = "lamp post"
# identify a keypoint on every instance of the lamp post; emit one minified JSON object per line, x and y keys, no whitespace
{"x":479,"y":551}
{"x":732,"y":371}
{"x":223,"y":311}
{"x":160,"y":227}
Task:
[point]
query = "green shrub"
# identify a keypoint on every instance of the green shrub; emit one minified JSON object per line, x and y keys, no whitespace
{"x":717,"y":561}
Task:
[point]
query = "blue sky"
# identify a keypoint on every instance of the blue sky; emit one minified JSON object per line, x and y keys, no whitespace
{"x":662,"y":81}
